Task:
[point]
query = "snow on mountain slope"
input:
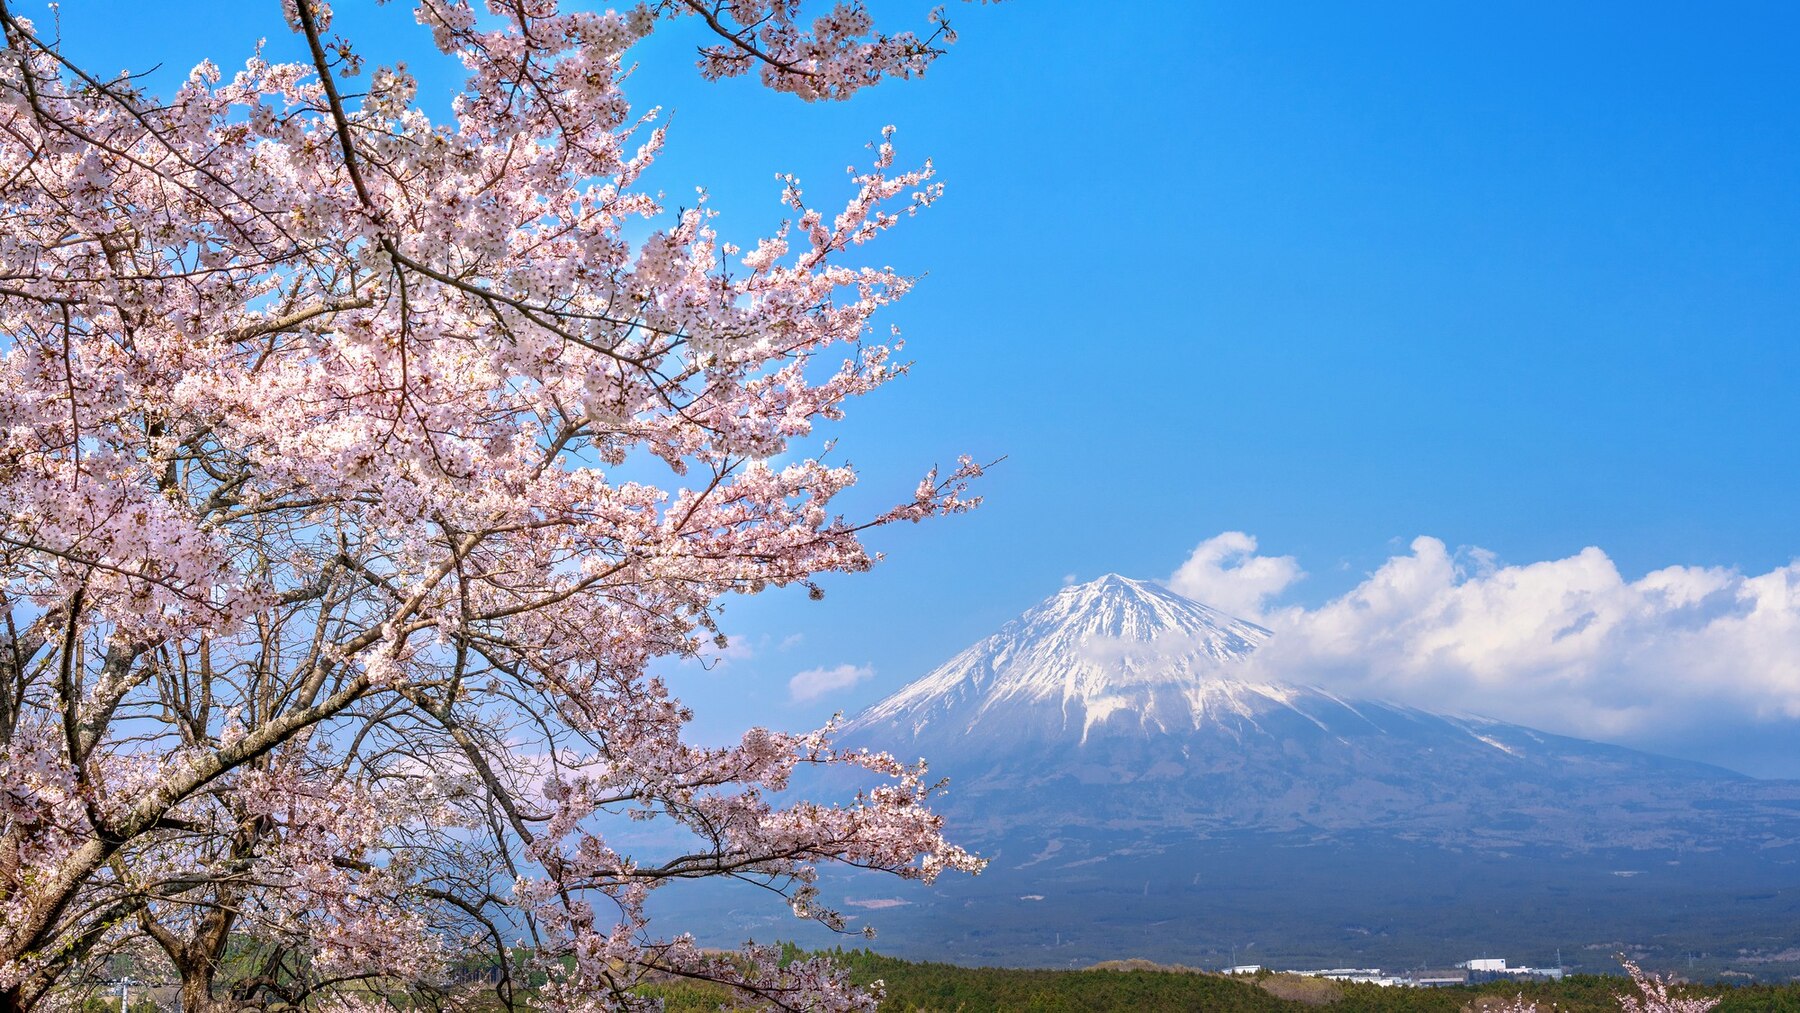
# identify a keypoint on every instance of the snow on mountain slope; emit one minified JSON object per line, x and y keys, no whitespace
{"x":1113,"y":649}
{"x":1127,"y":684}
{"x":1110,"y":754}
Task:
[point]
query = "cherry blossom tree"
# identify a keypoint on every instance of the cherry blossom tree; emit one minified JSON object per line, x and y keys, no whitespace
{"x":317,"y":415}
{"x":301,"y":873}
{"x":1653,"y":995}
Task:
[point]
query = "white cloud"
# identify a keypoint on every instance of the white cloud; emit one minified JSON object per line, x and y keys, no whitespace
{"x":817,"y":682}
{"x":735,"y":649}
{"x":1567,"y":645}
{"x":714,"y":658}
{"x":1225,"y":572}
{"x":878,"y":903}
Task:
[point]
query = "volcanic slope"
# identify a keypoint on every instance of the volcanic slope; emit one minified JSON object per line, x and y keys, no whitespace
{"x":1140,"y":791}
{"x":1125,"y":684}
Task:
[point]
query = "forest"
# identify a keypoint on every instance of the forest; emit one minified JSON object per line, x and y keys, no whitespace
{"x":923,"y":987}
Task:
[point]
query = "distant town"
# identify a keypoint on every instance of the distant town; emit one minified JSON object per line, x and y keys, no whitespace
{"x":1469,"y":972}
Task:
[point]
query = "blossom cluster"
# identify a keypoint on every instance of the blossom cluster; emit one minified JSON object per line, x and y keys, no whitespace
{"x":330,"y":606}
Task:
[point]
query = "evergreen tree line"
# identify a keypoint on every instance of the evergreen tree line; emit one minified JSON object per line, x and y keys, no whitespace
{"x":924,"y":987}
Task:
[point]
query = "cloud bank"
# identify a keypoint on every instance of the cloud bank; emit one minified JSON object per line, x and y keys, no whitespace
{"x":817,"y":682}
{"x":1225,"y":572}
{"x":1568,"y":645}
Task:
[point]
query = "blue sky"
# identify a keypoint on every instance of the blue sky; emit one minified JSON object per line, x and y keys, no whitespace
{"x":1524,"y":278}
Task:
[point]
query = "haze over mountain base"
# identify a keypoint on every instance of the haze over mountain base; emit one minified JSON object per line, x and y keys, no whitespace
{"x":1284,"y":901}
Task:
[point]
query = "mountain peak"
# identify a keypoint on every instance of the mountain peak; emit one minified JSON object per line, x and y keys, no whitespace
{"x":1138,"y":610}
{"x":1117,"y":581}
{"x":1160,"y":609}
{"x":1113,"y":650}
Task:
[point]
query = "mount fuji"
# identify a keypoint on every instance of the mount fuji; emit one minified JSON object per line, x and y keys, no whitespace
{"x":1115,"y":652}
{"x":1139,"y":793}
{"x":1126,"y":684}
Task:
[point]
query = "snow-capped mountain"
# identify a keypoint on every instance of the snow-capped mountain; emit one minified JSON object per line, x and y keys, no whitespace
{"x":1138,"y":793}
{"x":1114,"y":650}
{"x":1126,"y":683}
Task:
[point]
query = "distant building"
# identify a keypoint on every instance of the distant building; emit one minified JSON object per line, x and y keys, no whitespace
{"x":1468,"y":972}
{"x":1244,"y":969}
{"x":1495,"y":969}
{"x":1368,"y":974}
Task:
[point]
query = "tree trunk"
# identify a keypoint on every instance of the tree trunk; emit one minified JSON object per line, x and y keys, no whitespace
{"x":12,"y":1000}
{"x":196,"y":988}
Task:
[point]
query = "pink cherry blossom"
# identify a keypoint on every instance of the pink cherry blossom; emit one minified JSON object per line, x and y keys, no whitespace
{"x":1653,"y":995}
{"x":329,"y":603}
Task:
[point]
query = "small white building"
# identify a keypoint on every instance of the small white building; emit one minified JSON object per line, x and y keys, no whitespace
{"x":1370,"y":974}
{"x":1494,"y":968}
